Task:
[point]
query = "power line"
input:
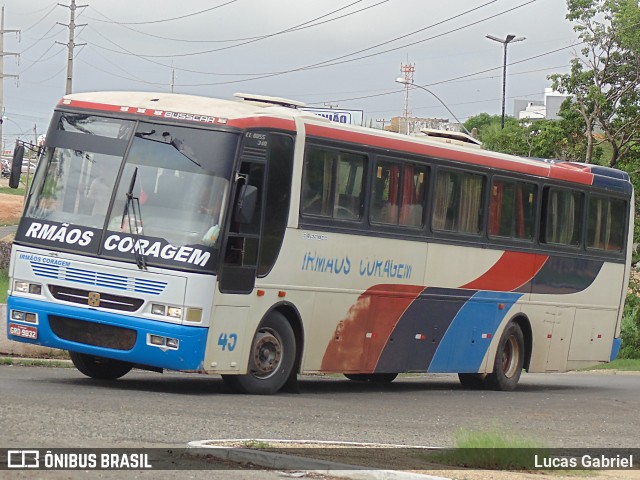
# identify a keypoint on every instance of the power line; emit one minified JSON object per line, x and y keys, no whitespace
{"x":450,"y":80}
{"x":325,"y":63}
{"x":295,"y":28}
{"x":165,"y":19}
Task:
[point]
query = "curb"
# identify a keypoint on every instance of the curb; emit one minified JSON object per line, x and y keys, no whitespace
{"x":279,"y":461}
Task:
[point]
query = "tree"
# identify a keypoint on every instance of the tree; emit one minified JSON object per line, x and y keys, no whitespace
{"x":604,"y":80}
{"x":555,"y":139}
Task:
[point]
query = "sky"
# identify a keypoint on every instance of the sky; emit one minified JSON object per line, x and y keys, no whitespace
{"x":326,"y":53}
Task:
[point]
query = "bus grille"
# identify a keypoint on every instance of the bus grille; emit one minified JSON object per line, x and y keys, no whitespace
{"x":99,"y":279}
{"x":104,"y":300}
{"x":90,"y":333}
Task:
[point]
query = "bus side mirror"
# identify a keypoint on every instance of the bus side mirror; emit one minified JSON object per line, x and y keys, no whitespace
{"x":246,"y":204}
{"x":16,"y":166}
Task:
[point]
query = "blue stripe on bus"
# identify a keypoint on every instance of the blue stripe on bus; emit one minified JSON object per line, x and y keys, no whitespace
{"x":189,"y":357}
{"x":465,"y":343}
{"x":615,"y":349}
{"x":418,"y":333}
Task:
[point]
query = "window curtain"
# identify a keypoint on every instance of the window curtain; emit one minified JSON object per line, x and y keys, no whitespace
{"x":326,"y":185}
{"x":444,"y":189}
{"x":470,"y":199}
{"x":408,"y":196}
{"x":495,"y":212}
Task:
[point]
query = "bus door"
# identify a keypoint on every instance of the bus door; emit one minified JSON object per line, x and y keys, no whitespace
{"x":259,"y":211}
{"x":240,"y":258}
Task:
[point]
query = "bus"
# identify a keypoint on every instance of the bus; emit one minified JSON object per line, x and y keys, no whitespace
{"x":250,"y":239}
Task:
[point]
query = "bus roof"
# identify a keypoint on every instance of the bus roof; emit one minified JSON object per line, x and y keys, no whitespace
{"x":253,"y":110}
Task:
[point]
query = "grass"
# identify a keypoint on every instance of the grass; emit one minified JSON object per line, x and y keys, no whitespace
{"x":4,"y":285}
{"x":7,"y":223}
{"x":13,"y":191}
{"x":256,"y":444}
{"x":624,"y":364}
{"x":35,"y":362}
{"x":491,"y":449}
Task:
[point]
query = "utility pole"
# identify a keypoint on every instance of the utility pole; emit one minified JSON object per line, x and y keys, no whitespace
{"x":2,"y":74}
{"x":383,"y":121}
{"x":71,"y":43}
{"x":407,"y":73}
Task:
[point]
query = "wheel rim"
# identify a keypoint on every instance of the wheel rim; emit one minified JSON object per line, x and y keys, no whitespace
{"x":267,"y":353}
{"x":510,"y":356}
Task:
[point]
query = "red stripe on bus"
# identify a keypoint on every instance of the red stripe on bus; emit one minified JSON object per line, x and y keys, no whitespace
{"x":263,"y":122}
{"x":377,"y":310}
{"x":510,"y":272}
{"x":572,"y":172}
{"x":542,"y":170}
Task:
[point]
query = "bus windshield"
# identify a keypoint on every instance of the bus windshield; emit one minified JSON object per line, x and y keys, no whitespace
{"x":179,"y":177}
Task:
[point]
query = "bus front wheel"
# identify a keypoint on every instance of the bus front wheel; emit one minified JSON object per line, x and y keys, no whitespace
{"x":271,"y":359}
{"x":99,"y":367}
{"x":509,"y":359}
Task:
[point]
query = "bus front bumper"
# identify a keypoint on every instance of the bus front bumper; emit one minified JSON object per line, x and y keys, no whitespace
{"x":131,"y":339}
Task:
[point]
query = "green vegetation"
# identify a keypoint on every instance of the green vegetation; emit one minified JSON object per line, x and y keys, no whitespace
{"x":492,"y":449}
{"x":4,"y":285}
{"x":35,"y":362}
{"x":624,"y":364}
{"x":256,"y":444}
{"x":630,"y":329}
{"x":12,"y":191}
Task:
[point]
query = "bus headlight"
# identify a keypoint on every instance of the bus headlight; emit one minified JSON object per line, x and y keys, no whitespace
{"x":166,"y":310}
{"x":158,"y":309}
{"x":26,"y":287}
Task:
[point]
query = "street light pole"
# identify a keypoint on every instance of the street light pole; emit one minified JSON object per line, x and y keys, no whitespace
{"x":405,"y":82}
{"x":508,"y":39}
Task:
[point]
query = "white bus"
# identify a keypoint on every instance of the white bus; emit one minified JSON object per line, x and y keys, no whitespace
{"x":250,"y":239}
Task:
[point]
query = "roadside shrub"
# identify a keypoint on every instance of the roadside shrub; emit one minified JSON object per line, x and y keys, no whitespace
{"x":5,"y":255}
{"x":630,"y":328}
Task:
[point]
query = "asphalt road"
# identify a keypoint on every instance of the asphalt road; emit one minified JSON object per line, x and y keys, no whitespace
{"x":59,"y":407}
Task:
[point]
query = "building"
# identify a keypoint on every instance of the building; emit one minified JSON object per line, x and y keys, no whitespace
{"x":546,"y":109}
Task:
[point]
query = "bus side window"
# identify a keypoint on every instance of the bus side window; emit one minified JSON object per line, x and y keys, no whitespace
{"x":317,"y":182}
{"x":458,"y":202}
{"x":562,"y":217}
{"x":512,"y":209}
{"x":332,"y":184}
{"x":398,"y":194}
{"x":606,"y":223}
{"x":348,"y":202}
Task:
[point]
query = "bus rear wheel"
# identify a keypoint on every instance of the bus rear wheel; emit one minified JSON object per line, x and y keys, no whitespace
{"x":271,"y":359}
{"x":507,"y":366}
{"x":372,"y":377}
{"x":99,"y":367}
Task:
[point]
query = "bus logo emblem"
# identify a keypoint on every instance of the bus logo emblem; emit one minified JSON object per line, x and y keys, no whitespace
{"x":94,"y":299}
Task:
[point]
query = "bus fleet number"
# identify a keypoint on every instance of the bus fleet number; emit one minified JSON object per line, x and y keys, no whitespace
{"x":228,"y":341}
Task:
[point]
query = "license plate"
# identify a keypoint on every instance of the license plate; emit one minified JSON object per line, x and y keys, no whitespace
{"x":24,"y":331}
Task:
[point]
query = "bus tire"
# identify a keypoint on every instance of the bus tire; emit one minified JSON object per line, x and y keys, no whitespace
{"x":372,"y":377}
{"x":507,"y":366}
{"x":99,"y":367}
{"x":271,"y":358}
{"x":473,"y":381}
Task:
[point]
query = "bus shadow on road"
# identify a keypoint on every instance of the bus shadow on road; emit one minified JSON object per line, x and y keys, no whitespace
{"x":193,"y":384}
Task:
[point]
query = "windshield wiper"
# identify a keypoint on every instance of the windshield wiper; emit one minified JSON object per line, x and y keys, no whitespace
{"x":132,"y":209}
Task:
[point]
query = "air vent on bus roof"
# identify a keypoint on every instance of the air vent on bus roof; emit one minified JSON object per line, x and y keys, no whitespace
{"x":447,"y":136}
{"x":283,"y":102}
